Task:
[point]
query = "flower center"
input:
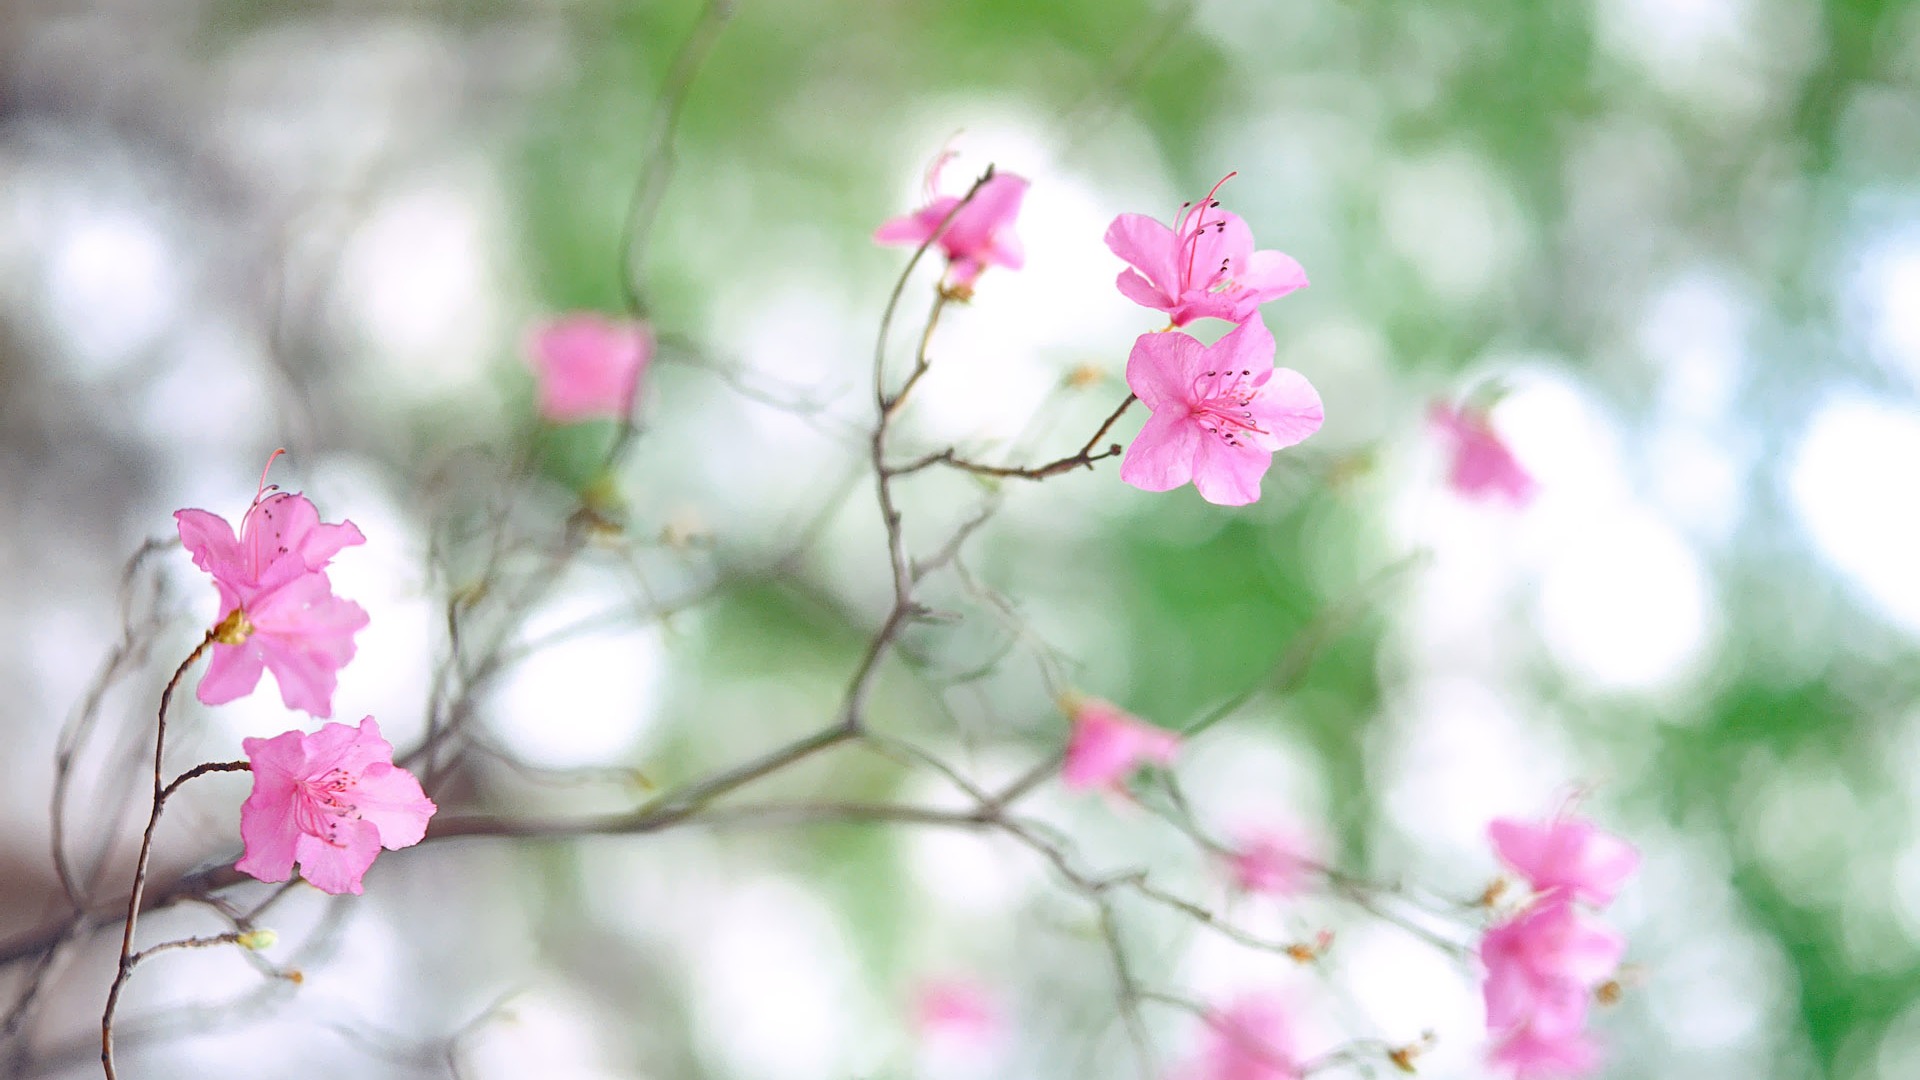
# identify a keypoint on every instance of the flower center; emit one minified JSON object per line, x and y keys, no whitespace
{"x":321,"y":804}
{"x":1194,"y":224}
{"x":1221,"y":400}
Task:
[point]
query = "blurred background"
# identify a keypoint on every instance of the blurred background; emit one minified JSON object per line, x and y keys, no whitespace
{"x":1682,"y":236}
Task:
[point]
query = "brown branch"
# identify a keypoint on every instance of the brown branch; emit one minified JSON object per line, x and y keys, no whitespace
{"x":1083,"y":459}
{"x":232,"y":938}
{"x":160,"y":791}
{"x":203,"y":769}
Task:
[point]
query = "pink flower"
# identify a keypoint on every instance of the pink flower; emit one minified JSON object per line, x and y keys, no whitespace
{"x":1566,"y":857}
{"x":277,"y":608}
{"x":1536,"y":1055}
{"x":1108,"y":744}
{"x":299,"y":631}
{"x":329,"y":801}
{"x":1219,"y":412}
{"x":957,"y":1011}
{"x":589,"y":366}
{"x":1251,"y":1039}
{"x":1204,"y":267}
{"x":1483,"y":467}
{"x":281,"y":537}
{"x":1272,"y":861}
{"x":1542,"y":968}
{"x":1543,"y":964}
{"x":979,"y":235}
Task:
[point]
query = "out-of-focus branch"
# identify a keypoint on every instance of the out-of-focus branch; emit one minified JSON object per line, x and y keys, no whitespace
{"x":661,"y":156}
{"x":128,"y":655}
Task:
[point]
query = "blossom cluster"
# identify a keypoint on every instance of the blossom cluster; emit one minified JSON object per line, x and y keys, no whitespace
{"x":1218,"y":412}
{"x":277,"y":608}
{"x":331,"y":800}
{"x":1545,"y":962}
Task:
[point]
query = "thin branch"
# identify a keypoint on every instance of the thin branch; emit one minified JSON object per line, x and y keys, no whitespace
{"x":1082,"y":459}
{"x":127,"y":655}
{"x":1297,"y":658}
{"x":650,"y":188}
{"x":1128,"y":994}
{"x":146,"y":846}
{"x":184,"y":943}
{"x":203,"y":769}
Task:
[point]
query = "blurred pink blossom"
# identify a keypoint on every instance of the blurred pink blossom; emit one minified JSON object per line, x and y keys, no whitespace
{"x":1250,"y":1039}
{"x":1565,"y":857}
{"x":277,"y":608}
{"x":329,"y":801}
{"x":1273,"y":861}
{"x":588,"y":366}
{"x":1107,"y":744}
{"x":1536,"y":1054}
{"x":1219,"y":412}
{"x":1542,"y":967}
{"x":1482,"y":466}
{"x":1203,"y":267}
{"x":957,"y":1011}
{"x":980,"y":234}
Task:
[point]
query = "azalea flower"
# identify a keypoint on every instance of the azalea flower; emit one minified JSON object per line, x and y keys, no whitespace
{"x":589,"y":366}
{"x":1108,"y":744}
{"x":1565,"y":857}
{"x":1542,"y":968}
{"x":980,"y":234}
{"x":328,"y":801}
{"x":277,"y":608}
{"x":1203,"y":267}
{"x":1271,"y":861}
{"x":300,"y":631}
{"x":1250,"y":1039}
{"x":281,"y":537}
{"x":1483,"y":467}
{"x":1219,"y":412}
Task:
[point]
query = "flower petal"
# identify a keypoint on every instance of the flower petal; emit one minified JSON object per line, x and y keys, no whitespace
{"x":1287,"y":407}
{"x":1161,"y":456}
{"x":974,"y":230}
{"x":391,"y":798}
{"x":1271,"y":274}
{"x":1248,"y":346}
{"x":268,"y":827}
{"x":1141,"y":291}
{"x":211,"y":541}
{"x":305,"y":635}
{"x":232,"y":673}
{"x":1150,"y":247}
{"x":1229,"y":475}
{"x":914,"y":229}
{"x":283,"y":537}
{"x":1161,"y":370}
{"x":338,"y":867}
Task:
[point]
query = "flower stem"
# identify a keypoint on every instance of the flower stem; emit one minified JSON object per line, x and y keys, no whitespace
{"x":160,"y":792}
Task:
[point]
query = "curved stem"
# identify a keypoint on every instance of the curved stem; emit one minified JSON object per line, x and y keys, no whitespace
{"x":160,"y":792}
